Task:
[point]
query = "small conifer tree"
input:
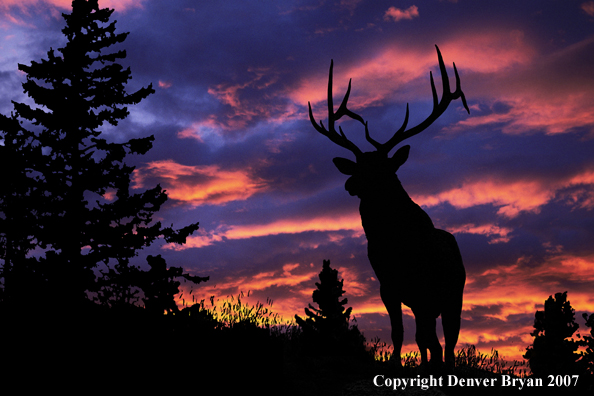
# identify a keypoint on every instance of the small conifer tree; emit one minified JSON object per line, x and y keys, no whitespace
{"x":331,"y":314}
{"x":326,"y":329}
{"x":553,"y":350}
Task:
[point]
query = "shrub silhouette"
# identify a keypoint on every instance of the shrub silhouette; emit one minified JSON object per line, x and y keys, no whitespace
{"x":587,"y":360}
{"x":326,"y":329}
{"x":553,"y":350}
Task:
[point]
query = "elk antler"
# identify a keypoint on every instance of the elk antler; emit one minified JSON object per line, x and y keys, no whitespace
{"x":438,"y":109}
{"x":331,"y":133}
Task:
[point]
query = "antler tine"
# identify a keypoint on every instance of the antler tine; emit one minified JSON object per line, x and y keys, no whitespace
{"x":459,"y":90}
{"x":375,"y":144}
{"x":342,"y":109}
{"x":439,"y":106}
{"x":331,"y":133}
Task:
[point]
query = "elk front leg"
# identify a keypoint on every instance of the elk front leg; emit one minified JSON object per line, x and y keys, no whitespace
{"x":394,"y":308}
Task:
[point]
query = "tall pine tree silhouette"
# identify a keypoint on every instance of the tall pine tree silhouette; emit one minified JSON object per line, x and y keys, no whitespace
{"x":19,"y":190}
{"x":79,"y":189}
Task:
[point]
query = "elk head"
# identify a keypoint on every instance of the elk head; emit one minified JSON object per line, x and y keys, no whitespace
{"x":372,"y":169}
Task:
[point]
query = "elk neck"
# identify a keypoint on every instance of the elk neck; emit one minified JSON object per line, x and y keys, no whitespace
{"x":387,"y":211}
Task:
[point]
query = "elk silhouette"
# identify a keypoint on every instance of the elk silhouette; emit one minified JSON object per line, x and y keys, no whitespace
{"x":415,"y":263}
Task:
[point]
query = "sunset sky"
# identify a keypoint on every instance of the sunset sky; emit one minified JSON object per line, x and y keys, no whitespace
{"x":235,"y":150}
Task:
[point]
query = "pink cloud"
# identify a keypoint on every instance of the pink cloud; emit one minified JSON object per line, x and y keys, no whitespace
{"x":389,"y":75}
{"x":165,"y":84}
{"x":199,"y":185}
{"x":535,"y":112}
{"x":118,"y":5}
{"x":536,"y":104}
{"x":396,"y":14}
{"x":110,"y":195}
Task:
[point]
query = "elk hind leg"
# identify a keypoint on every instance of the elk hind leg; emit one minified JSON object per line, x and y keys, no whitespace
{"x":450,"y":319}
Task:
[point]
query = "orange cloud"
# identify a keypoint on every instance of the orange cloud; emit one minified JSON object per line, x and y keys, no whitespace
{"x":396,"y":14}
{"x":355,"y":287}
{"x":512,"y":197}
{"x":493,"y":300}
{"x":350,"y":222}
{"x":521,"y":289}
{"x":200,"y":184}
{"x":295,"y":281}
{"x":497,"y":234}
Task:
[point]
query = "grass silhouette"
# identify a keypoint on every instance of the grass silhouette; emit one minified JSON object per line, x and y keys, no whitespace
{"x":303,"y":373}
{"x":230,"y":344}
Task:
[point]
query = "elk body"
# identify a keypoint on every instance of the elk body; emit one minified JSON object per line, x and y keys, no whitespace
{"x":415,"y":263}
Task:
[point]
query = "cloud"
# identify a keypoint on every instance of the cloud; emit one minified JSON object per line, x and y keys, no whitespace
{"x":522,"y":287}
{"x":551,"y":115}
{"x":118,"y":5}
{"x":500,"y":302}
{"x":515,"y":196}
{"x":551,"y":93}
{"x":254,"y":99}
{"x":512,"y":197}
{"x":294,"y":281}
{"x":165,"y":84}
{"x":588,"y":7}
{"x":200,"y":184}
{"x":207,"y":128}
{"x":350,"y":222}
{"x":396,"y":14}
{"x":497,"y":234}
{"x":389,"y":76}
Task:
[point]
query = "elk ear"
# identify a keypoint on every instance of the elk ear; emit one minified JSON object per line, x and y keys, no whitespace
{"x":400,"y":157}
{"x":345,"y":166}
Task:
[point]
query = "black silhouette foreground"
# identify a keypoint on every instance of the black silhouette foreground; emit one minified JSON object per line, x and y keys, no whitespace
{"x":326,"y":329}
{"x":415,"y":263}
{"x":70,"y":226}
